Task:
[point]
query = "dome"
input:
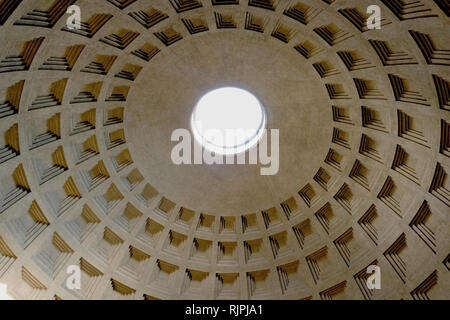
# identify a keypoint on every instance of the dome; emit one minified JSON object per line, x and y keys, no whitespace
{"x":350,"y":126}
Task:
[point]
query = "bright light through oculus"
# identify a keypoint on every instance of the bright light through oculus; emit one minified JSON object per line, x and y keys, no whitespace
{"x":228,"y":120}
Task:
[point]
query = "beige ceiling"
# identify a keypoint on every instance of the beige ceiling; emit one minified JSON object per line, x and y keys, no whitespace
{"x":85,"y":163}
{"x":295,"y":105}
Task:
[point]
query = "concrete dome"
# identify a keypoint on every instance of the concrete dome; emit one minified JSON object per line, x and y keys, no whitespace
{"x":85,"y":161}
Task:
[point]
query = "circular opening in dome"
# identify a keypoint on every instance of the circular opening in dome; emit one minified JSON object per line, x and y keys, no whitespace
{"x":228,"y":120}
